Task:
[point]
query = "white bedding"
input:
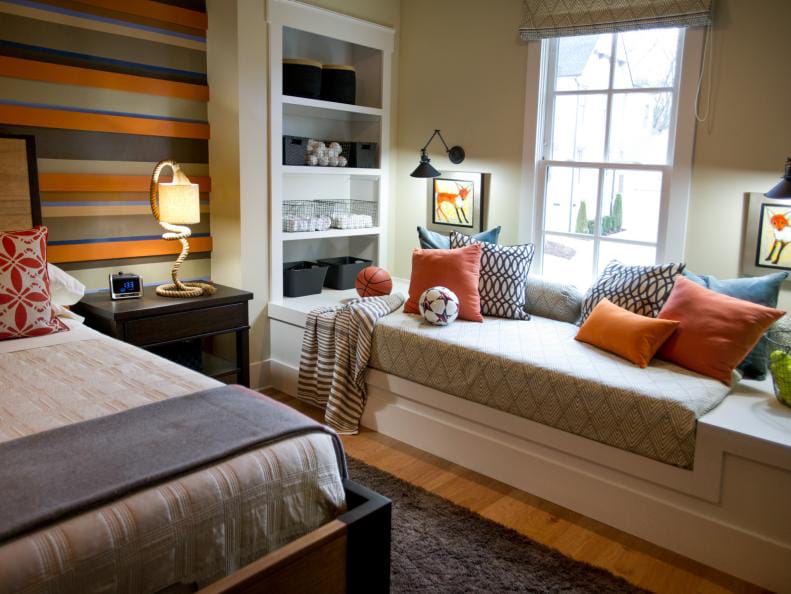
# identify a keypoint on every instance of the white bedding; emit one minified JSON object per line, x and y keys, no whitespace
{"x":192,"y":530}
{"x":77,"y":331}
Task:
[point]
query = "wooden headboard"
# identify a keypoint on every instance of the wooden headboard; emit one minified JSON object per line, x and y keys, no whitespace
{"x":20,"y":206}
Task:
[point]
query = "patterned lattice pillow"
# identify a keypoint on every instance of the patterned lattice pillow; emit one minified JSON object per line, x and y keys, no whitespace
{"x":503,"y":276}
{"x":640,"y":289}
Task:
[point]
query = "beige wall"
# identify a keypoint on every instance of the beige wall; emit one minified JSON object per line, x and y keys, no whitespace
{"x":462,"y":70}
{"x":742,"y":146}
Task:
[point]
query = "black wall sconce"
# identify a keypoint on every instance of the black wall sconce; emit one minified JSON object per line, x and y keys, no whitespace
{"x":783,"y":187}
{"x":424,"y":169}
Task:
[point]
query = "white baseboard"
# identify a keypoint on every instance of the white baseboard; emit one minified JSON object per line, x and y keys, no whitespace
{"x":260,"y":374}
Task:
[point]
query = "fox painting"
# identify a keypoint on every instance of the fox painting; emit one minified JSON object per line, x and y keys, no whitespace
{"x":453,"y":202}
{"x":775,"y":236}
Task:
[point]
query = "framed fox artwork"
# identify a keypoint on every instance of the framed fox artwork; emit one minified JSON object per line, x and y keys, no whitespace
{"x":455,"y":201}
{"x":766,"y":243}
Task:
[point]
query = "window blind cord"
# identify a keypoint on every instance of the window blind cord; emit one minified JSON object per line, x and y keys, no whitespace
{"x":705,"y":71}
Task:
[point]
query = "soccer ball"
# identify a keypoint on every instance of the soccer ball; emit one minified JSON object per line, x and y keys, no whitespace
{"x":439,"y":306}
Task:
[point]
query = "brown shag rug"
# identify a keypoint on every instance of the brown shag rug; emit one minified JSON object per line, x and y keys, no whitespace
{"x":441,"y":547}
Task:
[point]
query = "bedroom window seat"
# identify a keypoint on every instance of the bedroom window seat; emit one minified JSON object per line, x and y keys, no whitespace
{"x":709,"y":468}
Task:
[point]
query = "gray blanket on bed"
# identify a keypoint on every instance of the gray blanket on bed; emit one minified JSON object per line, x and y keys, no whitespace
{"x":50,"y":475}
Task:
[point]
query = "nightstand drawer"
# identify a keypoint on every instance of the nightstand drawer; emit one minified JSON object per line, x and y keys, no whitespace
{"x":178,"y":326}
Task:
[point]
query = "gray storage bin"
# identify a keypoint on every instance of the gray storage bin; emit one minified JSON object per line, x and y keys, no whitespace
{"x":303,"y":278}
{"x":365,"y":155}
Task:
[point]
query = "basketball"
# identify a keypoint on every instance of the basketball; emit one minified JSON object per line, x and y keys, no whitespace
{"x":373,"y":281}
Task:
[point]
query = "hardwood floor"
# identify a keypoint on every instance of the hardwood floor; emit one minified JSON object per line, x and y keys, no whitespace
{"x":640,"y":562}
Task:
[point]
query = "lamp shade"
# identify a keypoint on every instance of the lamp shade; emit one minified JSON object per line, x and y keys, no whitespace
{"x":179,"y":203}
{"x":424,"y":169}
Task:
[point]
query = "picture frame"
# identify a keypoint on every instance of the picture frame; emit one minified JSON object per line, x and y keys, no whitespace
{"x":456,"y":202}
{"x":766,"y":243}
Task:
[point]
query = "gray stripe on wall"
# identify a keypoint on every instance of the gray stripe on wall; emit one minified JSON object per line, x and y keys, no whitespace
{"x":75,"y":228}
{"x":95,"y":43}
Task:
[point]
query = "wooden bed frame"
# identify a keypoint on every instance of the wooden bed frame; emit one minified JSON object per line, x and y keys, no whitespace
{"x":348,"y":554}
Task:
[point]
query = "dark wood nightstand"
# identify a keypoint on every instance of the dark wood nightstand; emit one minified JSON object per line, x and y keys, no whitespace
{"x":152,"y":322}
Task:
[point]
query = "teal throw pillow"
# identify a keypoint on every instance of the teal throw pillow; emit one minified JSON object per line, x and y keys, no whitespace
{"x":431,"y":240}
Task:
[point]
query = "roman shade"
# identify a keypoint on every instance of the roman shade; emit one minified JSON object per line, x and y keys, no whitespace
{"x":561,"y":18}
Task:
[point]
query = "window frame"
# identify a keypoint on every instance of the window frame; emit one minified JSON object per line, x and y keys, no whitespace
{"x":676,"y":173}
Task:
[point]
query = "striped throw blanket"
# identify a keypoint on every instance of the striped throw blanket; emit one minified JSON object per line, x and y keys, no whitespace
{"x":335,"y":351}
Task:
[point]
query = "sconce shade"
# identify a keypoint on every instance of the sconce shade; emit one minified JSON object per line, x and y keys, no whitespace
{"x":783,"y":187}
{"x":424,"y":169}
{"x":179,"y":203}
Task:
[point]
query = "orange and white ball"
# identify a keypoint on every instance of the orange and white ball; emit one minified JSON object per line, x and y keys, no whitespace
{"x":373,"y":281}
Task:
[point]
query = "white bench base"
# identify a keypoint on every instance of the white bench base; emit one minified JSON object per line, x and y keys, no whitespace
{"x":731,"y":512}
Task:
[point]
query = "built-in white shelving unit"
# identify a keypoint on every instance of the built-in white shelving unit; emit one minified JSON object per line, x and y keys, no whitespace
{"x":298,"y":30}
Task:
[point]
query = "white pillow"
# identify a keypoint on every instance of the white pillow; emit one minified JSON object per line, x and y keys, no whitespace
{"x":64,"y":288}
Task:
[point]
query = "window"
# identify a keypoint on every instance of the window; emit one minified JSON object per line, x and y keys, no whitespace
{"x":606,"y":150}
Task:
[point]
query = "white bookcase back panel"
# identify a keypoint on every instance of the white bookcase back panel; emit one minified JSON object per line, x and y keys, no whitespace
{"x":313,"y":249}
{"x":366,"y":61}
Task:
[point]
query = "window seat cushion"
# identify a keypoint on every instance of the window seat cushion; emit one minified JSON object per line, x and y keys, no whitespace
{"x":536,"y":370}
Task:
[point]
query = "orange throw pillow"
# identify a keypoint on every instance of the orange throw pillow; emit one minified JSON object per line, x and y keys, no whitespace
{"x":715,"y":331}
{"x":626,"y":334}
{"x":458,"y":270}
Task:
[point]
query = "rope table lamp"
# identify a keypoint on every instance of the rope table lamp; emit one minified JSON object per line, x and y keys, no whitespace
{"x":174,"y":205}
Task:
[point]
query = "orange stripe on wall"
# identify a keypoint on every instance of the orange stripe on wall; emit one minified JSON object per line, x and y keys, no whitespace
{"x":19,"y":115}
{"x":155,"y":10}
{"x":85,"y":252}
{"x":93,"y":182}
{"x":73,"y":75}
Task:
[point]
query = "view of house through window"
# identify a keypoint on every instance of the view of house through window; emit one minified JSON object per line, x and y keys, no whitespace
{"x":607,"y":142}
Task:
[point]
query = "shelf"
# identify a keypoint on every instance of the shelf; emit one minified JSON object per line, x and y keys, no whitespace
{"x":216,"y":367}
{"x":329,"y":233}
{"x":293,"y":310}
{"x":316,"y":108}
{"x":316,"y":170}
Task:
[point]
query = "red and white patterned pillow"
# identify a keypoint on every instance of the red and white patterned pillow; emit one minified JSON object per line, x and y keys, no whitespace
{"x":25,"y":307}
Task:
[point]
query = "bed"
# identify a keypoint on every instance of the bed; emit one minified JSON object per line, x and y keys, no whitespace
{"x":281,"y":517}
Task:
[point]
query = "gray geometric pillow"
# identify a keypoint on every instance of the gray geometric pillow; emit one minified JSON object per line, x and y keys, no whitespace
{"x":553,"y":300}
{"x":640,"y":289}
{"x":503,"y":274}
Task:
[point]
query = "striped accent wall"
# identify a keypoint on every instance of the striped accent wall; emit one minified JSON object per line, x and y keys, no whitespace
{"x":108,"y":88}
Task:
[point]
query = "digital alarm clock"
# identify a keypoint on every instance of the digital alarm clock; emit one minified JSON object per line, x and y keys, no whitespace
{"x":125,"y":286}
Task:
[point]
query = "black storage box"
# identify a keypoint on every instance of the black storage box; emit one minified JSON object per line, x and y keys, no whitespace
{"x":302,"y":78}
{"x":303,"y":278}
{"x":364,"y":155}
{"x":343,"y":272}
{"x":339,"y":83}
{"x":294,"y":149}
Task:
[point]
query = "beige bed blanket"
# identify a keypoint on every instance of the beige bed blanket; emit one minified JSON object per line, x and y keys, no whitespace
{"x":192,"y":530}
{"x":536,"y":370}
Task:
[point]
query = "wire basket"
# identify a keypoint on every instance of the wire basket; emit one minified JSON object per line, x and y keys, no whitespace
{"x":779,"y":347}
{"x":320,"y":215}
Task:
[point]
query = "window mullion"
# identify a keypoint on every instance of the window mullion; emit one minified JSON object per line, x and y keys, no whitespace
{"x":600,"y":192}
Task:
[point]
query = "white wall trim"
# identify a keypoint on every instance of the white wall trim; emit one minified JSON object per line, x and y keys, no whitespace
{"x":683,"y":149}
{"x":528,"y":213}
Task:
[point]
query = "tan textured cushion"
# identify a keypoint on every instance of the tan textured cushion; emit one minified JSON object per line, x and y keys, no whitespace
{"x":553,"y":300}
